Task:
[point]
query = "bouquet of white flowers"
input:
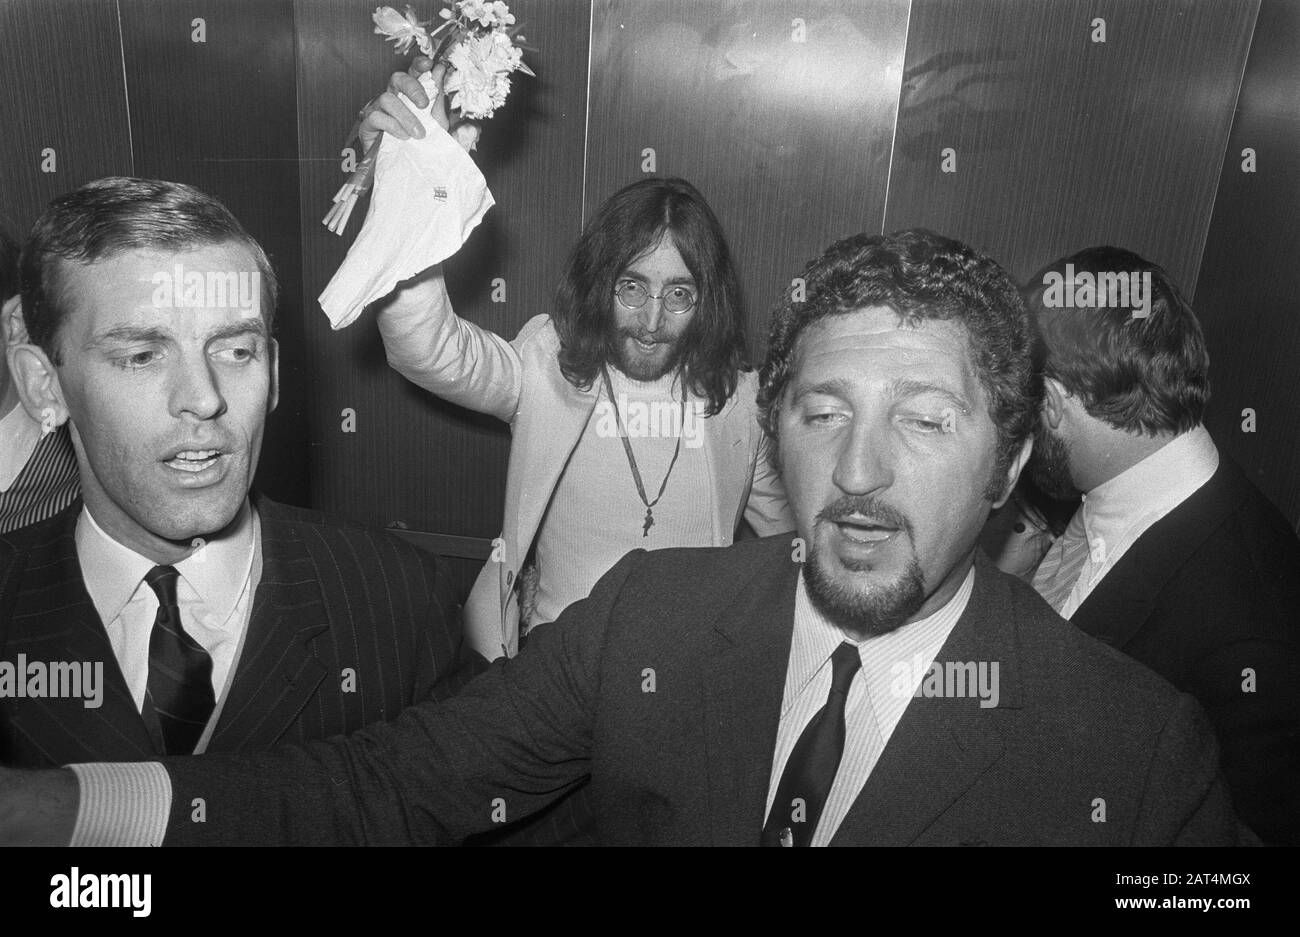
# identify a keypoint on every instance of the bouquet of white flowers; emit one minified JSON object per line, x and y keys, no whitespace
{"x":478,"y":42}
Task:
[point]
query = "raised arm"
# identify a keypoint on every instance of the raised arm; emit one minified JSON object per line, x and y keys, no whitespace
{"x":426,"y":342}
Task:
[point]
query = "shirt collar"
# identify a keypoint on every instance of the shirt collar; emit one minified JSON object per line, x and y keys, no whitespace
{"x":816,"y":638}
{"x":19,"y":434}
{"x":215,"y":574}
{"x":1154,"y":486}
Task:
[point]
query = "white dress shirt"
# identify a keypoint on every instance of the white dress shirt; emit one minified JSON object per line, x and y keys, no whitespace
{"x":1120,"y":510}
{"x":875,"y":702}
{"x":215,"y":596}
{"x":19,"y":434}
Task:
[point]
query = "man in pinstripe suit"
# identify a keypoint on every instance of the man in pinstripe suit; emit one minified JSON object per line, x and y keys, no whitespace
{"x":199,"y":617}
{"x":38,"y":469}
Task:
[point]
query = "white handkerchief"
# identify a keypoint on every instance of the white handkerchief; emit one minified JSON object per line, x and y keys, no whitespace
{"x":428,"y":196}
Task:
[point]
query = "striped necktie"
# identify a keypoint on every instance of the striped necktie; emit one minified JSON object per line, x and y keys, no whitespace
{"x":1059,"y":571}
{"x":180,"y":671}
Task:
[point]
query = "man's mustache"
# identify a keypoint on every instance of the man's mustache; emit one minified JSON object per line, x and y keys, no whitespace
{"x":864,"y":506}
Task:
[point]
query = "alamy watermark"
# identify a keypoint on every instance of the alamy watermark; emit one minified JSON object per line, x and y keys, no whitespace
{"x":62,"y":679}
{"x":1103,"y":290}
{"x":946,"y":680}
{"x":210,"y":289}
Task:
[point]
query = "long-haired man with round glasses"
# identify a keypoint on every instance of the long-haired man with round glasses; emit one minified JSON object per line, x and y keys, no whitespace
{"x":633,"y":417}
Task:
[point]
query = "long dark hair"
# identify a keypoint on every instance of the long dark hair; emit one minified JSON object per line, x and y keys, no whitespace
{"x":630,"y":223}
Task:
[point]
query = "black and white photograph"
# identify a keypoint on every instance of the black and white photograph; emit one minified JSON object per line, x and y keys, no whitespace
{"x":651,"y":423}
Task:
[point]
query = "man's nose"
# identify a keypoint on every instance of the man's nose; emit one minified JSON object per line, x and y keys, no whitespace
{"x":195,"y":390}
{"x":865,"y":463}
{"x":652,"y":314}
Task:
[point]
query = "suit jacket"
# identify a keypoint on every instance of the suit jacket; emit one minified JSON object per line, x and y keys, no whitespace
{"x":521,"y":383}
{"x":332,"y":596}
{"x":665,"y":687}
{"x":1209,"y":598}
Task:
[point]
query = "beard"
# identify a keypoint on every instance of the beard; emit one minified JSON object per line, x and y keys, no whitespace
{"x":875,"y":611}
{"x":627,"y":359}
{"x":1049,"y":465}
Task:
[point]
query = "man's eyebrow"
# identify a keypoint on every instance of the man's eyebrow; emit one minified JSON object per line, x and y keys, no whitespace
{"x":127,"y":334}
{"x":912,"y":388}
{"x":672,"y":281}
{"x":832,"y":387}
{"x":250,"y":326}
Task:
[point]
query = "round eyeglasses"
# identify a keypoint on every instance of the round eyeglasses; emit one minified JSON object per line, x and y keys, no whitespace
{"x":634,"y":295}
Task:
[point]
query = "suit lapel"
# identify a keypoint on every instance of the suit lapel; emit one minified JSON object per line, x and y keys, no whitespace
{"x":277,"y":671}
{"x":544,"y":437}
{"x":941,"y":746}
{"x":728,"y":458}
{"x":54,"y":619}
{"x":1119,"y":605}
{"x":744,"y":680}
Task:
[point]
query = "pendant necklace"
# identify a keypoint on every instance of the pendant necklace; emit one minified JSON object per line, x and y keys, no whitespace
{"x":631,"y":459}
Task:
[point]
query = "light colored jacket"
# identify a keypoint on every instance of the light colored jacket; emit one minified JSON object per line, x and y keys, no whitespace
{"x":520,"y":382}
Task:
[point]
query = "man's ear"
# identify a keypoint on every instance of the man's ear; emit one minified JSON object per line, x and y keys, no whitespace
{"x":13,"y":330}
{"x":273,"y":349}
{"x":38,"y":386}
{"x":1054,"y":401}
{"x":1014,"y":470}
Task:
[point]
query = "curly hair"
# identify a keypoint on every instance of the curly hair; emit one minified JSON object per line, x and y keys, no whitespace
{"x":921,"y":276}
{"x":1145,"y":373}
{"x":630,"y":223}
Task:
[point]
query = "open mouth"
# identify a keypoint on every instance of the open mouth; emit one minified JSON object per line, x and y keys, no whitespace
{"x":647,"y":347}
{"x":193,"y":460}
{"x":864,"y":529}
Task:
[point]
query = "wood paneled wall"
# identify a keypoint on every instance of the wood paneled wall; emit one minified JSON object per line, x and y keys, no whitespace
{"x":1062,"y":142}
{"x":801,"y":123}
{"x":77,"y":111}
{"x":1248,"y":294}
{"x":121,"y":87}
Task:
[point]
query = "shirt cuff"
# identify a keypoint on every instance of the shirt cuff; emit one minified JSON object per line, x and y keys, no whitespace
{"x":122,"y":804}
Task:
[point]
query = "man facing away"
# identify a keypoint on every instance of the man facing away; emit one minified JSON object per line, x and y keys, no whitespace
{"x":193,"y":616}
{"x":867,"y":682}
{"x":1174,"y":557}
{"x":633,"y":421}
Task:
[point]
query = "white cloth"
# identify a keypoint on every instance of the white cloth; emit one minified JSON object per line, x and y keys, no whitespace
{"x":1117,"y":512}
{"x":891,"y":664}
{"x":428,"y":195}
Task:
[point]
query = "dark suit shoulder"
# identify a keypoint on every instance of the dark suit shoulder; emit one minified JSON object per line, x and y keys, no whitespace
{"x":41,"y":535}
{"x":306,"y":525}
{"x":1073,"y":672}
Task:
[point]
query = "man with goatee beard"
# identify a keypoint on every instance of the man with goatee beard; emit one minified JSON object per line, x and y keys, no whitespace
{"x":1173,"y":556}
{"x":631,"y":410}
{"x":873,"y":681}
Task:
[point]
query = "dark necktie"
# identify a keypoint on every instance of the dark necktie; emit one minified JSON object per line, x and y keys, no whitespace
{"x":180,"y":671}
{"x":811,"y":768}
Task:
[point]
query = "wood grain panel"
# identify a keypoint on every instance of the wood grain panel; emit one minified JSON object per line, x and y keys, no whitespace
{"x":414,"y":458}
{"x":222,"y":115}
{"x":789,"y":140}
{"x":1248,"y":295}
{"x":77,"y":109}
{"x":1061,"y":142}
